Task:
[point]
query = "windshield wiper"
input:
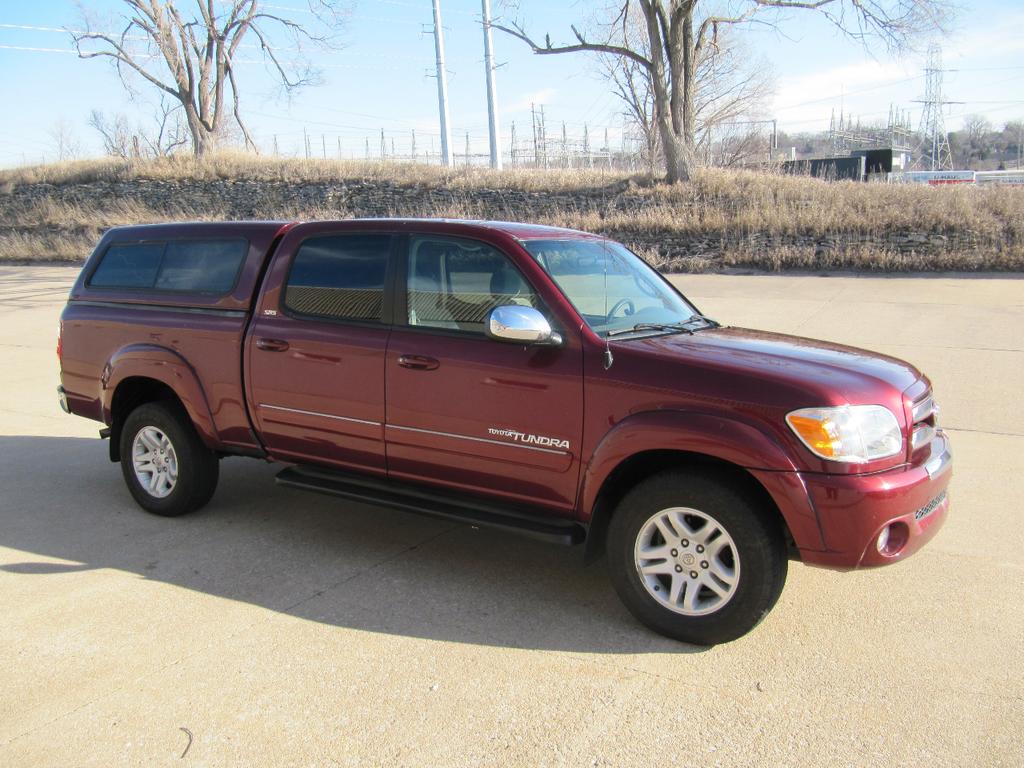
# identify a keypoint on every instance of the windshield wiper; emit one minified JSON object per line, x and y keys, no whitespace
{"x":674,"y":327}
{"x":683,"y":327}
{"x":709,"y":322}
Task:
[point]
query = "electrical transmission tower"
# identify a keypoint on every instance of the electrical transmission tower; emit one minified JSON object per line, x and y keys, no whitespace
{"x":933,"y":151}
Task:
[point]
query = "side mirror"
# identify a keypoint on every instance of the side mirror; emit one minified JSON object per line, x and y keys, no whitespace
{"x":521,"y":325}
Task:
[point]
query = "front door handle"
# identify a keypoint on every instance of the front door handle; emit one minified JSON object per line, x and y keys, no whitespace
{"x":271,"y":345}
{"x":418,"y":362}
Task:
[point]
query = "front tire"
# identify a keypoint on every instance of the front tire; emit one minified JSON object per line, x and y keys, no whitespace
{"x":695,"y":557}
{"x":167,"y":468}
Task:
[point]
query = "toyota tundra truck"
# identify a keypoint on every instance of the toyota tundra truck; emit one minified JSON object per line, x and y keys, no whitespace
{"x":539,"y":380}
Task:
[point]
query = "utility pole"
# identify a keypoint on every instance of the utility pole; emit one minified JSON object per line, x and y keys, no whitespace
{"x":414,"y":145}
{"x":543,"y":136}
{"x":442,"y":87}
{"x":492,"y":105}
{"x":533,"y":118}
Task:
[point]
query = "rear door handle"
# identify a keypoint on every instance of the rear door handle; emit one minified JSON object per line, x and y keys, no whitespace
{"x":418,"y":362}
{"x":271,"y":345}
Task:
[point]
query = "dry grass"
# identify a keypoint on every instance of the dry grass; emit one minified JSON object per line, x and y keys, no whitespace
{"x":48,"y":230}
{"x":743,"y":218}
{"x":243,"y":166}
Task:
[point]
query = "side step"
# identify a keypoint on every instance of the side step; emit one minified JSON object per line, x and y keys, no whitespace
{"x":435,"y":503}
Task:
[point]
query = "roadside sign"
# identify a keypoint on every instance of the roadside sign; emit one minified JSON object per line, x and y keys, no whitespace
{"x":934,"y":178}
{"x":1015,"y":178}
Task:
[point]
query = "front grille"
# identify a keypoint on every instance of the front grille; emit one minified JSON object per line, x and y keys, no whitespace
{"x":924,"y":408}
{"x":922,"y":435}
{"x":928,"y":508}
{"x":923,"y":421}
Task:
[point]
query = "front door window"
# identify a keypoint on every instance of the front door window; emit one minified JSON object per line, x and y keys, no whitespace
{"x":454,"y":283}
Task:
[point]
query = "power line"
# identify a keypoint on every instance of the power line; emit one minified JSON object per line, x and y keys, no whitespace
{"x":38,"y":50}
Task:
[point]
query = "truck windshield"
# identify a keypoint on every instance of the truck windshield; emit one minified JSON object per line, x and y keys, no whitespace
{"x":610,"y":286}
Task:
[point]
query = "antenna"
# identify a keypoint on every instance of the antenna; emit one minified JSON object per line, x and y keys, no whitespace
{"x":608,"y":357}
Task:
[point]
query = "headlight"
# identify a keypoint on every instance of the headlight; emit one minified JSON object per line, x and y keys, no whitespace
{"x":851,"y":433}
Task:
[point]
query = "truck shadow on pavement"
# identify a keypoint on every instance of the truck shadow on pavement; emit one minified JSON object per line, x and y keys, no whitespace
{"x":310,"y":556}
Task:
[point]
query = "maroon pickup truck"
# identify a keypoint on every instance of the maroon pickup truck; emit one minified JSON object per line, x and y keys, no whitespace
{"x":534,"y":379}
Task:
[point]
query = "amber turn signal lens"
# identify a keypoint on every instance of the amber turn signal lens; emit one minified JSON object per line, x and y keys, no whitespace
{"x":814,"y":433}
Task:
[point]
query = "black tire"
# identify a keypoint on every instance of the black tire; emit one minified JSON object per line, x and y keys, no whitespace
{"x":756,"y":538}
{"x":198,"y":468}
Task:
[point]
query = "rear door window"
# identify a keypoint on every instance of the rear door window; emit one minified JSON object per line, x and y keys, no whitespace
{"x":339,"y":277}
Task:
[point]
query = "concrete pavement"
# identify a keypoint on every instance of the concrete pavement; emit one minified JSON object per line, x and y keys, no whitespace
{"x":279,"y":628}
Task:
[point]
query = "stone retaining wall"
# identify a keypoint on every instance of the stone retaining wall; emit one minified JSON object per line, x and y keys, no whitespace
{"x":671,"y":249}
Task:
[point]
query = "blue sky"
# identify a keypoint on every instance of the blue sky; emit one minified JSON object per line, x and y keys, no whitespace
{"x":379,"y":80}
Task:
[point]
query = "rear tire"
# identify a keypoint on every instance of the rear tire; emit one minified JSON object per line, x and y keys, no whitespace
{"x":695,"y":557}
{"x":167,"y":468}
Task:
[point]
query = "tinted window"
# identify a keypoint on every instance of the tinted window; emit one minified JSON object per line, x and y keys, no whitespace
{"x":455,"y":283}
{"x":128,"y":266}
{"x":339,"y":276}
{"x":197,"y":266}
{"x":202,"y":266}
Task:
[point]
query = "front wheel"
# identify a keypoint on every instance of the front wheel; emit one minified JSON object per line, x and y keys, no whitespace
{"x":165,"y":465}
{"x":696,"y":558}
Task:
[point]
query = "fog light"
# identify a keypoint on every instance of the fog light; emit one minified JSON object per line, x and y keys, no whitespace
{"x":883,"y":539}
{"x":892,"y":539}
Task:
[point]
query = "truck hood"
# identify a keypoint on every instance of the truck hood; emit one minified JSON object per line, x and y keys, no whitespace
{"x":826,"y":373}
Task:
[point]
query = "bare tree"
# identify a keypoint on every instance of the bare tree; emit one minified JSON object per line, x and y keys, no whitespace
{"x":680,"y":32}
{"x":64,"y":140}
{"x":192,"y":56}
{"x":163,"y":136}
{"x":730,"y":86}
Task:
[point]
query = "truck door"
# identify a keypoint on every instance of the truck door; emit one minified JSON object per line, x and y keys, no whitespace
{"x":315,"y":350}
{"x":467,"y":411}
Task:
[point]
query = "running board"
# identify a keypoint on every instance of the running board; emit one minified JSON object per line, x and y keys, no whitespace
{"x":435,"y":503}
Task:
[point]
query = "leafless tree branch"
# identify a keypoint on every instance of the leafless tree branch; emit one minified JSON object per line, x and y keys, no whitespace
{"x":190,"y":57}
{"x":676,"y":36}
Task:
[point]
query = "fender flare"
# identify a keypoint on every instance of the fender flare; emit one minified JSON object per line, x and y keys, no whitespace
{"x":165,"y":365}
{"x":717,"y":436}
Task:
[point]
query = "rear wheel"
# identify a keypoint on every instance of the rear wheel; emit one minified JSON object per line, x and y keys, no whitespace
{"x":695,"y":557}
{"x":165,"y":465}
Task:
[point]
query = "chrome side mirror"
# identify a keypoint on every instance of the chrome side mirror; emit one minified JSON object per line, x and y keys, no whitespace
{"x":520,"y":325}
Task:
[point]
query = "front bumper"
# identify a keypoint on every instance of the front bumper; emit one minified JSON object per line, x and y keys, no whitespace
{"x":852,"y":511}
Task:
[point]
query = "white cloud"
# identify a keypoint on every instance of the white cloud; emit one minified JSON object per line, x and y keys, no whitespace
{"x":522,"y":104}
{"x":995,"y":37}
{"x":804,"y":102}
